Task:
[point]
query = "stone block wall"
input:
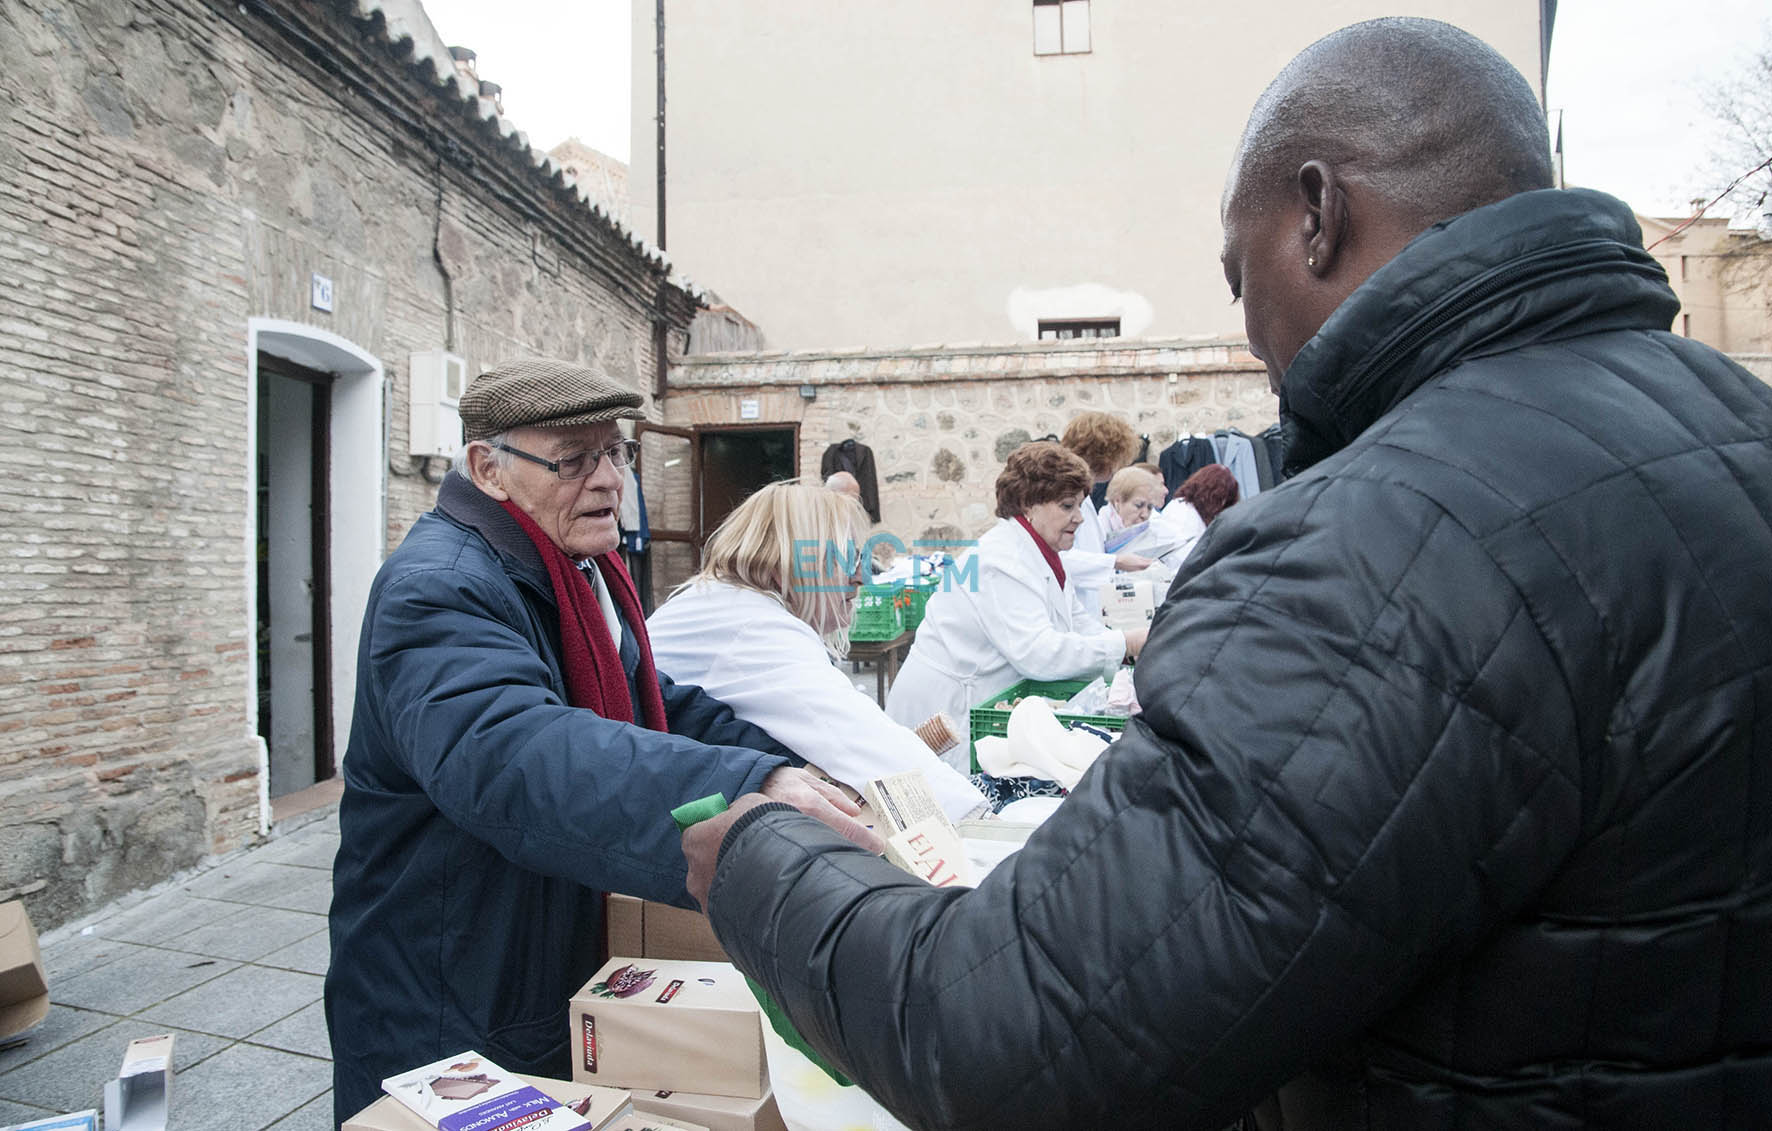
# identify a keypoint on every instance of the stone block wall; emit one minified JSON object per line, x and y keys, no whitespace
{"x":942,"y":420}
{"x":170,"y":169}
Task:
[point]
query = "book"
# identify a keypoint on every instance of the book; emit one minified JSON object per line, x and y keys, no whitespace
{"x":470,"y":1093}
{"x":901,"y":800}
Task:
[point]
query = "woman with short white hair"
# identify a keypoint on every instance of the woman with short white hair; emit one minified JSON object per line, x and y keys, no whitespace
{"x":757,"y":629}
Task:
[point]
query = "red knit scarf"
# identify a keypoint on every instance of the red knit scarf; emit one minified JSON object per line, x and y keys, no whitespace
{"x":1046,"y":551}
{"x":594,"y":677}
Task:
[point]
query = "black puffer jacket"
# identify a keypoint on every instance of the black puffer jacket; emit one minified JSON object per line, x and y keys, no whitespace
{"x":1452,"y":796}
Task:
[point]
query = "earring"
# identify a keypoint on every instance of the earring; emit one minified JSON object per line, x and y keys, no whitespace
{"x":1312,"y":262}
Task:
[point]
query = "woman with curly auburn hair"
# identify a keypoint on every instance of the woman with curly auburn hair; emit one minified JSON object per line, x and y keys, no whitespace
{"x":1009,"y":610}
{"x":1105,"y":443}
{"x":753,"y":629}
{"x":1201,"y":498}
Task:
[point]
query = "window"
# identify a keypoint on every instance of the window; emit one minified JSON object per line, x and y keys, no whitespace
{"x":1059,"y":329}
{"x":1061,"y":27}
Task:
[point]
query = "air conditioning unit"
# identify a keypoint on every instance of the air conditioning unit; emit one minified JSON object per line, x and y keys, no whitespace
{"x":437,"y":378}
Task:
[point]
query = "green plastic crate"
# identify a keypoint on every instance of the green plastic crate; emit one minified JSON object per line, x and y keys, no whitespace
{"x":879,"y":613}
{"x":916,"y":599}
{"x":989,"y":719}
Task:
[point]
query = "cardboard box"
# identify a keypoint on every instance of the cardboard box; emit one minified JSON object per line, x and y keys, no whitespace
{"x":657,"y":930}
{"x":646,"y":1121}
{"x":606,"y":1105}
{"x":24,"y":988}
{"x":716,"y":1113}
{"x":656,"y":1024}
{"x":138,"y":1098}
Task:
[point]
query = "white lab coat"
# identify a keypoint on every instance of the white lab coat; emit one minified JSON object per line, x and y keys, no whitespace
{"x":1016,"y":623}
{"x":745,"y":649}
{"x":1087,"y":565}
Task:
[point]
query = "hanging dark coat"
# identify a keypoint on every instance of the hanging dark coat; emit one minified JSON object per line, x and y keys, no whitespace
{"x":858,"y":460}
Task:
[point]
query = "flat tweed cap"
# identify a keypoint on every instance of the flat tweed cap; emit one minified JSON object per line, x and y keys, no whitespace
{"x":543,"y":393}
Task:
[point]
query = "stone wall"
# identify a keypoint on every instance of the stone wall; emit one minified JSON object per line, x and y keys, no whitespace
{"x":941,"y":420}
{"x":169,"y":170}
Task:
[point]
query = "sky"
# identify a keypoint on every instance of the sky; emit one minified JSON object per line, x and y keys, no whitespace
{"x":563,"y":65}
{"x":1626,"y":75}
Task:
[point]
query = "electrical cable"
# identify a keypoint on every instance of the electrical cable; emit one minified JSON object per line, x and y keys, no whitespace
{"x":1696,"y":216}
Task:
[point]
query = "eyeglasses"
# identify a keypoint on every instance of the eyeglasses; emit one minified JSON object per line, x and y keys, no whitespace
{"x":621,"y":453}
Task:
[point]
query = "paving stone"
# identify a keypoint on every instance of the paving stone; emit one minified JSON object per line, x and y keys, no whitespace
{"x":73,"y":957}
{"x":62,"y":1025}
{"x":251,"y":881}
{"x":11,"y":1113}
{"x":158,"y":918}
{"x":140,"y":979}
{"x":303,"y":1032}
{"x":315,"y":1115}
{"x":313,"y":896}
{"x":303,"y":850}
{"x":73,"y":1077}
{"x":239,"y":1002}
{"x":245,"y":1087}
{"x":311,"y":955}
{"x":249,"y":933}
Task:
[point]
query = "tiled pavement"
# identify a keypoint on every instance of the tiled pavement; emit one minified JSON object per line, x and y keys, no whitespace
{"x":231,"y":959}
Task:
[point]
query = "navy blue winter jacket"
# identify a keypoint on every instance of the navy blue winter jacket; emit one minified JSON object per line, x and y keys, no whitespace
{"x":483,"y":817}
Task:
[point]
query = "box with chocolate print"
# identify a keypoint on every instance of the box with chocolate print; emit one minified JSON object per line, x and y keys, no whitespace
{"x":652,"y":1024}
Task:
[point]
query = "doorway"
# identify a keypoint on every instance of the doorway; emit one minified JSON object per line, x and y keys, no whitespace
{"x":293,"y":633}
{"x":736,"y":462}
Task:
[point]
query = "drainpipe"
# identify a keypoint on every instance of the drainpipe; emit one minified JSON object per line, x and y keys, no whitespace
{"x":660,"y":327}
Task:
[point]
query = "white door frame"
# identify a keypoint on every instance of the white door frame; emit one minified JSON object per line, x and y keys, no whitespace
{"x":358,"y":489}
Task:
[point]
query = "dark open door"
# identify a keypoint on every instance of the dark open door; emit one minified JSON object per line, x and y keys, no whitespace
{"x":738,"y":460}
{"x":294,"y":568}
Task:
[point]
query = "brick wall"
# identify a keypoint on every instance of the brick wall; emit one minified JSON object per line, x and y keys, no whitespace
{"x":169,"y":170}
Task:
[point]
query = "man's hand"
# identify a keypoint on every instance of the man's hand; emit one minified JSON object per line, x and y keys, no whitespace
{"x":805,"y":792}
{"x":815,"y":797}
{"x":701,"y":845}
{"x":1135,"y":638}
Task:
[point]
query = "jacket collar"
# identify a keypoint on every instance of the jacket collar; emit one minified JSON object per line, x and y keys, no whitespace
{"x":466,"y":505}
{"x":1536,"y":267}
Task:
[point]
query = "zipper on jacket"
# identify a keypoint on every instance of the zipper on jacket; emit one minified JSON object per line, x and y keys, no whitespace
{"x":1480,"y":290}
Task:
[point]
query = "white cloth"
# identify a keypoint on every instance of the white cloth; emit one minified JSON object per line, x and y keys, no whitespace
{"x":745,"y":649}
{"x":1087,"y":566}
{"x":1004,"y":620}
{"x":1039,"y":746}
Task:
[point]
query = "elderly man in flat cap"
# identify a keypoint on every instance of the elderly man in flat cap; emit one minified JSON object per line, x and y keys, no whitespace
{"x":514,"y":752}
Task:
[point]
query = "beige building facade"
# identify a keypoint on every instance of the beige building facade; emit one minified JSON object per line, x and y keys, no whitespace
{"x":1723,"y":275}
{"x":882,"y":175}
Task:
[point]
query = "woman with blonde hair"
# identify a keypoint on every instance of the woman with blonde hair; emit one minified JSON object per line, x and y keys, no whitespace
{"x":1133,"y":495}
{"x":1105,"y":443}
{"x":755,"y":628}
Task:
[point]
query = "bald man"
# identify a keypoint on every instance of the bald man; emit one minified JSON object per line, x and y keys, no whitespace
{"x":1451,"y":800}
{"x":844,"y":483}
